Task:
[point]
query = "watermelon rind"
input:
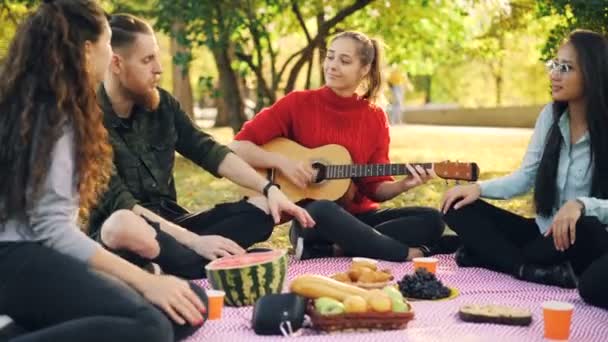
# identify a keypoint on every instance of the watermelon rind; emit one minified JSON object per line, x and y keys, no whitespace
{"x":258,"y":274}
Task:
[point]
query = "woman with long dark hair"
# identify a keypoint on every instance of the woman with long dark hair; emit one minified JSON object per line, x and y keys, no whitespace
{"x":566,"y":163}
{"x":56,"y":283}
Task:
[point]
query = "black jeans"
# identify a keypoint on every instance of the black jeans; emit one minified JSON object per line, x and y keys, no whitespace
{"x":382,"y":234}
{"x":503,"y":241}
{"x":55,"y":297}
{"x":241,"y":222}
{"x":592,"y":283}
{"x":589,"y":258}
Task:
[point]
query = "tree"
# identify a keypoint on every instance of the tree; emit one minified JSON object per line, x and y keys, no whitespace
{"x":11,"y":13}
{"x":504,"y":21}
{"x":581,"y":14}
{"x":419,"y":36}
{"x":243,"y":35}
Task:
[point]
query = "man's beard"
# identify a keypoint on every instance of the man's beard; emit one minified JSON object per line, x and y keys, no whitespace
{"x":149,"y":99}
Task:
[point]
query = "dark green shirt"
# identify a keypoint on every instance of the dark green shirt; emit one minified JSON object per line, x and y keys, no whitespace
{"x":144,"y":154}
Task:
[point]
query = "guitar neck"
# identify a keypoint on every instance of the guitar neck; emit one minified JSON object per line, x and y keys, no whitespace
{"x":369,"y":170}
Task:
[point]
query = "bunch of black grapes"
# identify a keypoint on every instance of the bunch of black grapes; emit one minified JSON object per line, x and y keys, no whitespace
{"x":422,"y":285}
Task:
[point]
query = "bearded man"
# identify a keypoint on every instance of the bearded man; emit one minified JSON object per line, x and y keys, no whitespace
{"x":146,"y":127}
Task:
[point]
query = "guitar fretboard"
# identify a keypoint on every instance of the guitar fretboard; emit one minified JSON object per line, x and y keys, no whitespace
{"x":369,"y":170}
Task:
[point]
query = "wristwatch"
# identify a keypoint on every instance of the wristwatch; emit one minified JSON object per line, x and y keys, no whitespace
{"x":582,"y":206}
{"x":268,"y":186}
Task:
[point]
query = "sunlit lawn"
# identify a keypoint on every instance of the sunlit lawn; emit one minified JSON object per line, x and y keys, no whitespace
{"x":497,"y":152}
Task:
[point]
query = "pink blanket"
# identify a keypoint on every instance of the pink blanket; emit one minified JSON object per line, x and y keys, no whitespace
{"x":435,"y":320}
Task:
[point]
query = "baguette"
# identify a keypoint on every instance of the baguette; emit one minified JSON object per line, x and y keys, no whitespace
{"x":498,"y":314}
{"x":316,"y":286}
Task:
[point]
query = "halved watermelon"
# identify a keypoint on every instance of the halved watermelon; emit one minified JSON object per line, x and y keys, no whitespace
{"x":245,"y":278}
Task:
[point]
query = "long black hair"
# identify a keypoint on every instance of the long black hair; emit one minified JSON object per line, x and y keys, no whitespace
{"x":592,"y":51}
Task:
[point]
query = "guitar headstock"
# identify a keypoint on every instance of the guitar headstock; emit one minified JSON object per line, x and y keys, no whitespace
{"x":457,"y":170}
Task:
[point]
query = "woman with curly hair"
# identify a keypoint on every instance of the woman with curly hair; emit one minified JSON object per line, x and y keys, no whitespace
{"x":56,"y":283}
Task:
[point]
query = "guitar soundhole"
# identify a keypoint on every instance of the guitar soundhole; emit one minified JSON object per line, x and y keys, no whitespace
{"x":321,"y":172}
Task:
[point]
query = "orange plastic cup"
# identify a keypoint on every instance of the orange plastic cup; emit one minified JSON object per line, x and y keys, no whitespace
{"x":558,"y":317}
{"x":216,"y":303}
{"x":429,"y":263}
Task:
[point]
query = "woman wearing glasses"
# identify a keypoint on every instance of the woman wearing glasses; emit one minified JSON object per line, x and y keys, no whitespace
{"x":566,"y":163}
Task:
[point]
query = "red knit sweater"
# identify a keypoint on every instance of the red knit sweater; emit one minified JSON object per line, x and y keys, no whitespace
{"x":319,"y":117}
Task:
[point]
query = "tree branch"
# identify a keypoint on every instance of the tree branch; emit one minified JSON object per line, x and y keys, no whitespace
{"x":318,"y":39}
{"x":289,"y":59}
{"x":258,"y":73}
{"x":9,"y":13}
{"x":296,"y":10}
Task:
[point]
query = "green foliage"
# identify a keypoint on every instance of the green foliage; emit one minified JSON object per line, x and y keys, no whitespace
{"x":419,"y":35}
{"x":501,"y":56}
{"x":250,"y":32}
{"x":576,"y":14}
{"x":11,"y":13}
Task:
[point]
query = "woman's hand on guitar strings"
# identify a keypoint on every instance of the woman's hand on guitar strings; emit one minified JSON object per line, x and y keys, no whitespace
{"x":418,"y":176}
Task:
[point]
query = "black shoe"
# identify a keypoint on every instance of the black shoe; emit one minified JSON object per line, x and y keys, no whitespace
{"x":560,"y":275}
{"x":10,"y":331}
{"x":447,"y":244}
{"x":304,"y":250}
{"x":464,"y":258}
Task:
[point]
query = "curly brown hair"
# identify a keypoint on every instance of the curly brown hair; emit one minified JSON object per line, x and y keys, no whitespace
{"x":45,"y":85}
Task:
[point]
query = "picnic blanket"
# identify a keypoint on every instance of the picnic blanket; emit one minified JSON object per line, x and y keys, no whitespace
{"x":434,"y":320}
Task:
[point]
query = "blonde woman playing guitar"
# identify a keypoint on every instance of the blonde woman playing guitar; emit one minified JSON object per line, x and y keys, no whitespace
{"x":338,"y":114}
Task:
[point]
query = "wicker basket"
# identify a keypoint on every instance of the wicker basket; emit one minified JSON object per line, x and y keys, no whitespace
{"x":359,"y":321}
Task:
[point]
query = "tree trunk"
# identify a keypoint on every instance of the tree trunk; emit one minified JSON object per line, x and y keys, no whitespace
{"x":321,"y":48}
{"x":427,"y":85}
{"x":498,"y":91}
{"x":230,"y":93}
{"x":222,"y":119}
{"x":182,"y":89}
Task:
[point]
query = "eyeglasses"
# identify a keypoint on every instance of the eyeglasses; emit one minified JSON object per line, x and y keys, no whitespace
{"x":561,"y":68}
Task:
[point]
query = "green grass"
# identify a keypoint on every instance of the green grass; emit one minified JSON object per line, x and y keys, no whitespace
{"x":496,"y":151}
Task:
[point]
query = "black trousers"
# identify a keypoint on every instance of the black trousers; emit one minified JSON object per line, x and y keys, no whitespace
{"x":55,"y":297}
{"x":382,"y":234}
{"x":241,"y":222}
{"x":504,"y":241}
{"x":592,"y":283}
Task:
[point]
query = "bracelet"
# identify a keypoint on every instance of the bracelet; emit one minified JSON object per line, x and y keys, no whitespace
{"x":582,"y":206}
{"x":268,"y":186}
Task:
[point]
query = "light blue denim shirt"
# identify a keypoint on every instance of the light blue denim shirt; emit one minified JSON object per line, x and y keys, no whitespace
{"x":573,"y":172}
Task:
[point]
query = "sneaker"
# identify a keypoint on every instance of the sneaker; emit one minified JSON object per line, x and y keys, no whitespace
{"x":561,"y":275}
{"x":448,"y":244}
{"x":304,"y":250}
{"x":464,"y":258}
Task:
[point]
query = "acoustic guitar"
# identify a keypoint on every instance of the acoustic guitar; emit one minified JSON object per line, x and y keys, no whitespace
{"x":334,"y":170}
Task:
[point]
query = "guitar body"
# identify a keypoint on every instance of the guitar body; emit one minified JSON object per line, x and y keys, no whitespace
{"x":328,"y":154}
